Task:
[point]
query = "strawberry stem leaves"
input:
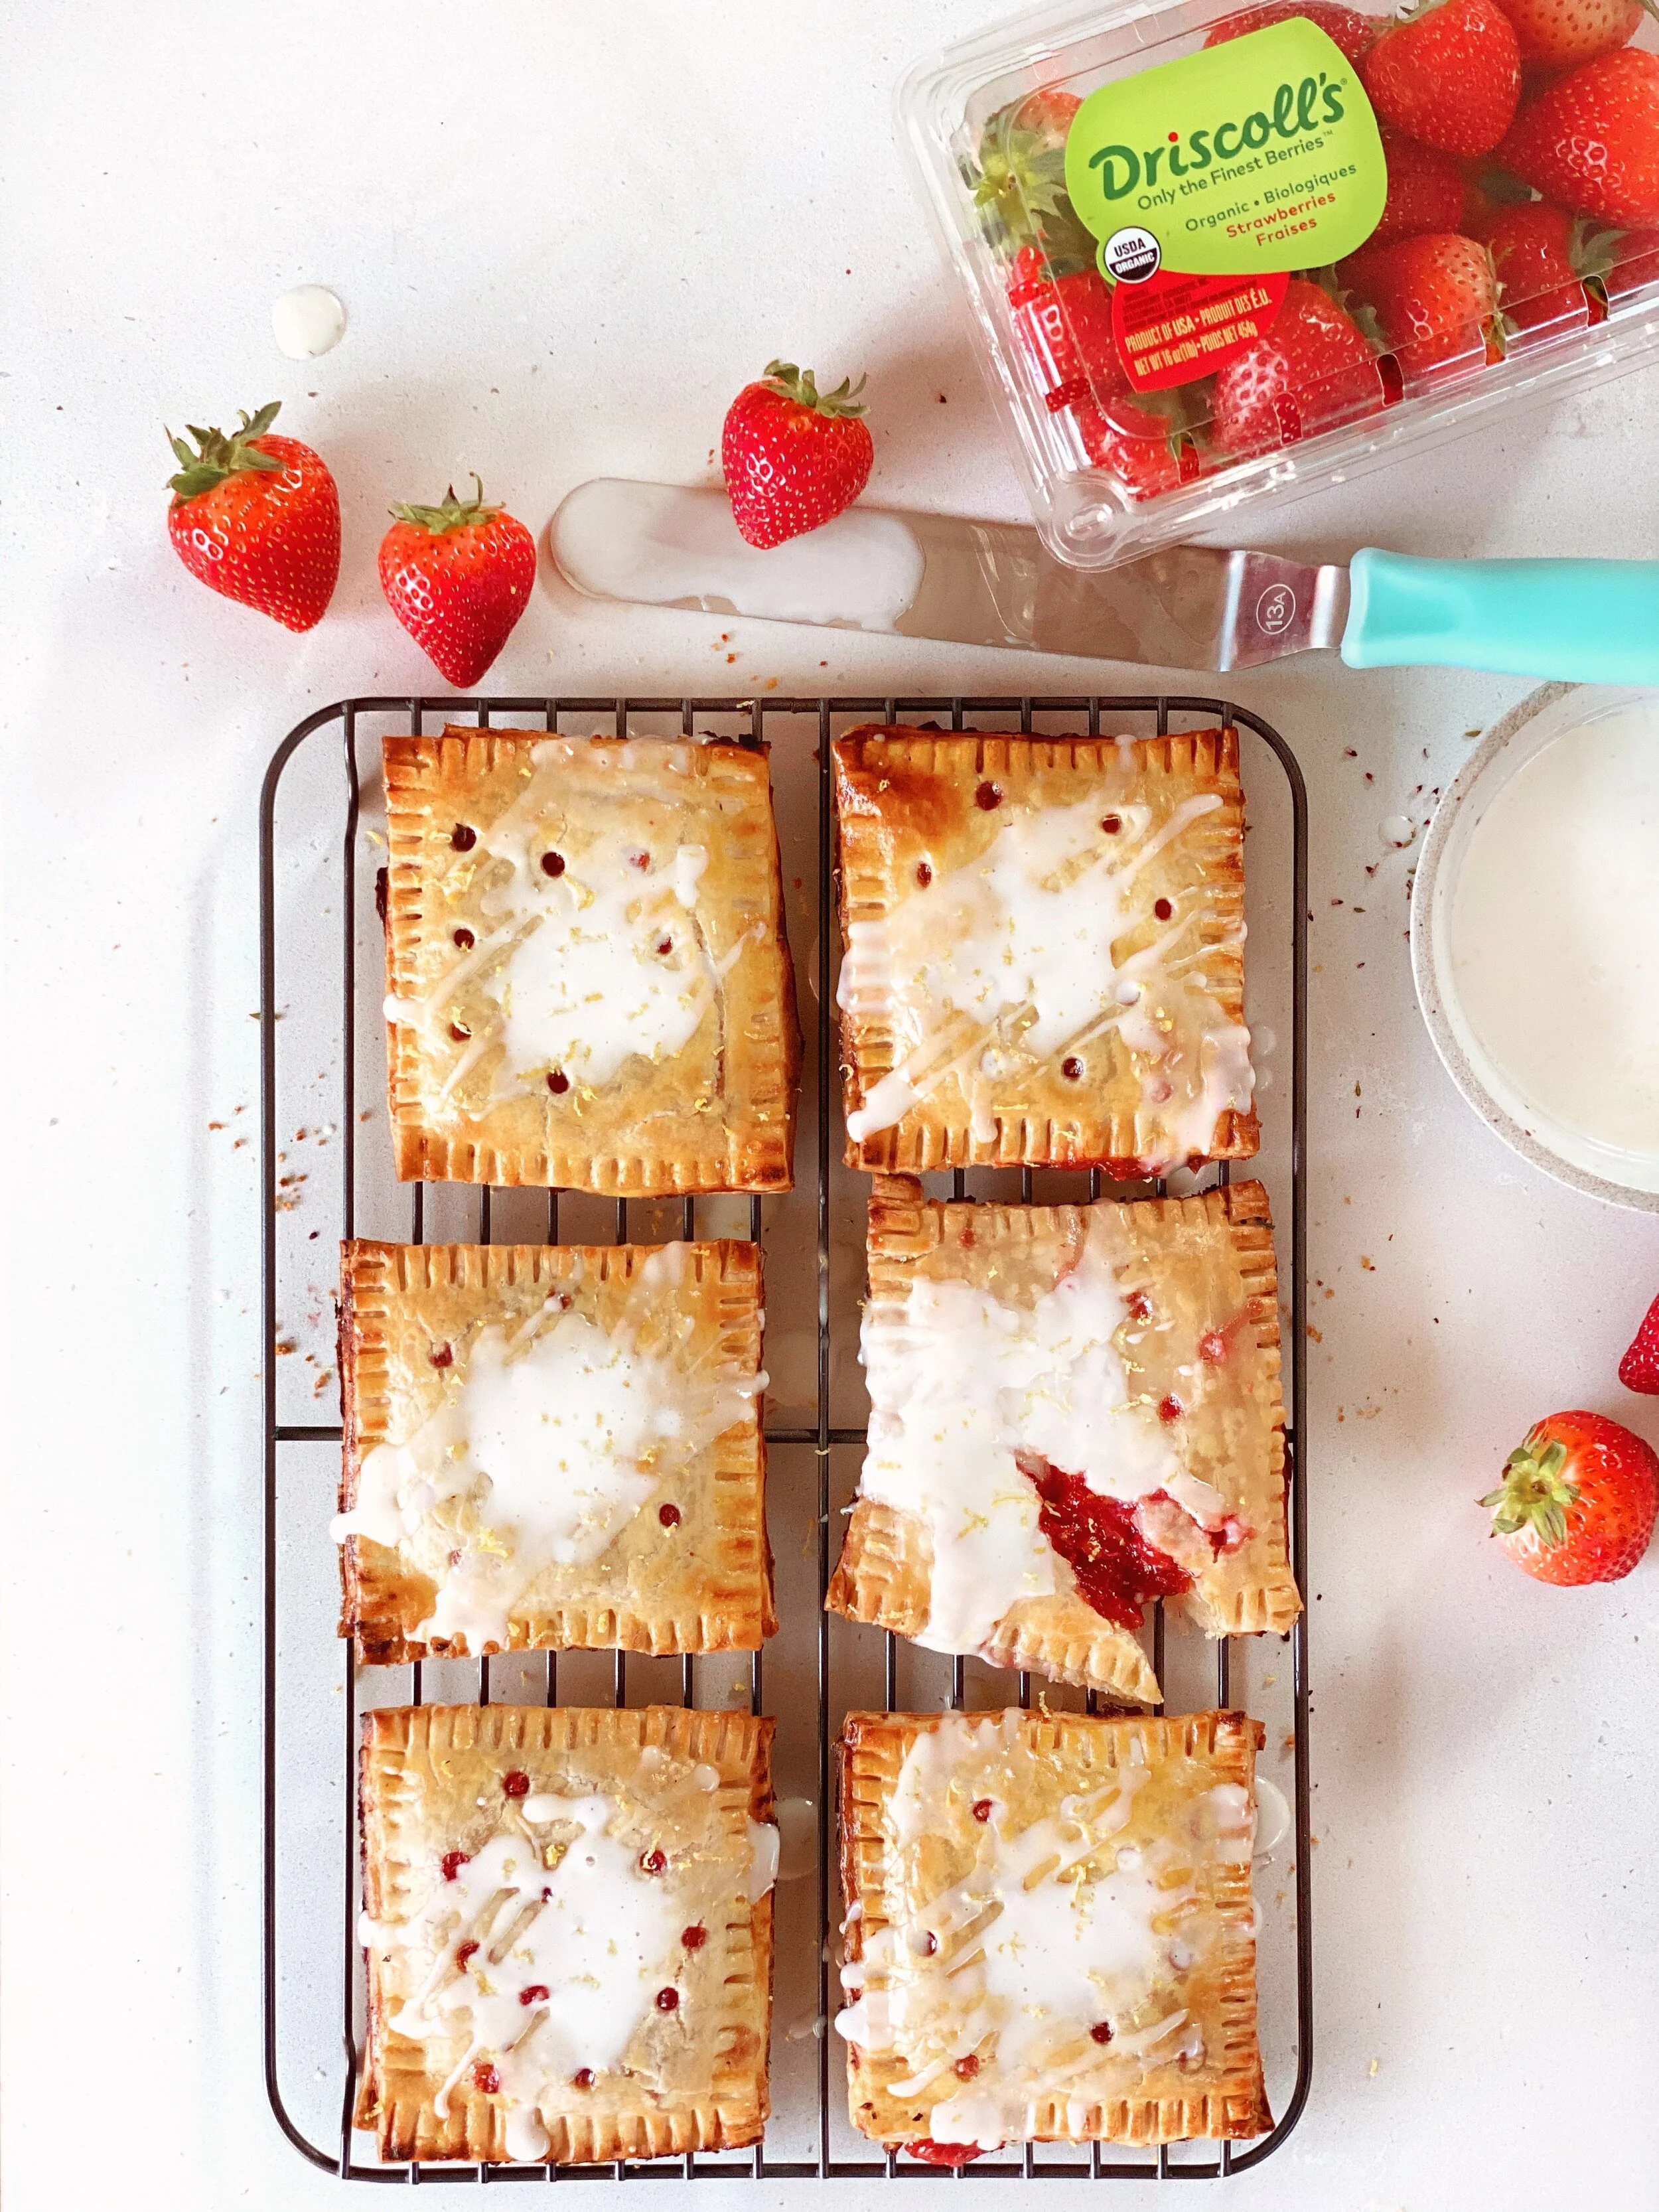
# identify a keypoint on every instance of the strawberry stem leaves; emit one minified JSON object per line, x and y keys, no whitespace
{"x":1534,"y":1494}
{"x":218,"y":456}
{"x":801,"y":386}
{"x":453,"y":514}
{"x":1018,"y":189}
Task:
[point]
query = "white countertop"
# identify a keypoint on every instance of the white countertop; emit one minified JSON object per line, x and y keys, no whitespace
{"x":565,"y":237}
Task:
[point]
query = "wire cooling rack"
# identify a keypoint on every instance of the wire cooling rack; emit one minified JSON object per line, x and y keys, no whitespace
{"x":327,"y":1173}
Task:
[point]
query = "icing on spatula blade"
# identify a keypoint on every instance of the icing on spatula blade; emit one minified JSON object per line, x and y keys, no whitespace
{"x":941,"y":576}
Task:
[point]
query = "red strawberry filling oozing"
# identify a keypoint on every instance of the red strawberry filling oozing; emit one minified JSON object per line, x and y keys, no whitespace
{"x":1118,"y":1571}
{"x":937,"y":2154}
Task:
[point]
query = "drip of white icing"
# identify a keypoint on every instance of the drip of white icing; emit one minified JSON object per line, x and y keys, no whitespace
{"x":527,"y":2139}
{"x":1272,"y":1817}
{"x":307,"y":321}
{"x":1015,"y":950}
{"x":690,"y":862}
{"x":556,"y":1434}
{"x":1052,"y":1933}
{"x":961,"y":1384}
{"x":797,"y":1832}
{"x":762,"y":1858}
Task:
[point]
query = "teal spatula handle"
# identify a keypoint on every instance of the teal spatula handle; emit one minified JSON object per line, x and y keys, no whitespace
{"x":1573,"y":621}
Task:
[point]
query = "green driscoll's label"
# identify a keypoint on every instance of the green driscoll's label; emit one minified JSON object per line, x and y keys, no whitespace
{"x":1259,"y":154}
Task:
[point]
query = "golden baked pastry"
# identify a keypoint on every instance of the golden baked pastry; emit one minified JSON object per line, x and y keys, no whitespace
{"x":552,"y":1447}
{"x":589,"y":984}
{"x":1074,"y":1409}
{"x":1049,"y":1932}
{"x":1043,"y":950}
{"x":568,"y":1917}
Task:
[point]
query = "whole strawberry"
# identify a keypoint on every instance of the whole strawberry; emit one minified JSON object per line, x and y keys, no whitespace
{"x":258,"y":518}
{"x":1559,"y":34}
{"x":1350,"y":32}
{"x":1577,"y":1500}
{"x":1591,"y":140}
{"x":793,"y":457}
{"x":1312,"y":369}
{"x":1436,"y":300}
{"x":1534,"y":247}
{"x":1426,"y":191}
{"x":1639,"y":1368}
{"x":458,"y":577}
{"x":1449,"y":77}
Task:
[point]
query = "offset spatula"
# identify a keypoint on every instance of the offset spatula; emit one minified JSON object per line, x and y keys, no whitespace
{"x":1188,"y":606}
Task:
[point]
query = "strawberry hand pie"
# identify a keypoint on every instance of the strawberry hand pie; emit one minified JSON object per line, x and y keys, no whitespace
{"x":1074,"y":1410}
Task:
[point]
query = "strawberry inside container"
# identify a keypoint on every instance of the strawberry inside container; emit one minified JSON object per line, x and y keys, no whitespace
{"x":1217,"y":254}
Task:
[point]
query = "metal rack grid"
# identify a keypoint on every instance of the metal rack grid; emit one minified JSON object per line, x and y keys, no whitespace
{"x":344,"y":718}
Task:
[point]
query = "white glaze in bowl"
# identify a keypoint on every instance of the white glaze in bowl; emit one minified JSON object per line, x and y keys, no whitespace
{"x":1536,"y":973}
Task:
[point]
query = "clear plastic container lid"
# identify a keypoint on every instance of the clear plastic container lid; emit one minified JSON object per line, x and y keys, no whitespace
{"x":1217,"y":254}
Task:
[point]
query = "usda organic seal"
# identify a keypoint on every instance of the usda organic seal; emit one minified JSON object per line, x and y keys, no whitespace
{"x":1132,"y":255}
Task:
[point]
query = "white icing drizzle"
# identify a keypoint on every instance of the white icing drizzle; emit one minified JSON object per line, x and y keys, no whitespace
{"x":963,"y":1385}
{"x":572,"y":1938}
{"x":547,"y":1442}
{"x":1013,"y":954}
{"x":989,"y":1990}
{"x":604,"y":961}
{"x":764,"y":1846}
{"x":596,"y":1932}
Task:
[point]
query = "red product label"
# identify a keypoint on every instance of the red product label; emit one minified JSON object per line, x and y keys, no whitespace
{"x":1171,"y":329}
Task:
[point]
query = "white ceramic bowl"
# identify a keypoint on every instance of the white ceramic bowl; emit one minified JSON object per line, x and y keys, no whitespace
{"x":1572,"y":1156}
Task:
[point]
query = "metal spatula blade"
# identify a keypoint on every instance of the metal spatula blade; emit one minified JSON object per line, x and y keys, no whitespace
{"x":1188,"y":606}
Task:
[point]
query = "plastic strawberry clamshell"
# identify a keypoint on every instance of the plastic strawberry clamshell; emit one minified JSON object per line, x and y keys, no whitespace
{"x":1219,"y":257}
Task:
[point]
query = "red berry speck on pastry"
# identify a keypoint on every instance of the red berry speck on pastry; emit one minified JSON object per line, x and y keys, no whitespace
{"x":793,"y":457}
{"x":257,"y":519}
{"x":1577,"y":1500}
{"x":458,"y":577}
{"x":1639,"y":1368}
{"x":1449,"y":74}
